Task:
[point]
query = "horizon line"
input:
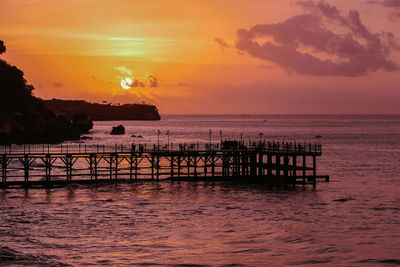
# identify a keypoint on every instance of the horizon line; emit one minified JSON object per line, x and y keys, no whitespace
{"x":291,"y":114}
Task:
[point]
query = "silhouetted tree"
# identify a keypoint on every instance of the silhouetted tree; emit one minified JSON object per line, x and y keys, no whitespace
{"x":15,"y":92}
{"x":24,"y":118}
{"x":2,"y":47}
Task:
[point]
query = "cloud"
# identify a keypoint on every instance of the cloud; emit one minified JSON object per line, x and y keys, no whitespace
{"x":263,"y":66}
{"x":394,"y":5}
{"x":58,"y":84}
{"x":183,"y":84}
{"x":222,"y":43}
{"x":124,"y":70}
{"x":137,"y":83}
{"x":304,"y":44}
{"x":391,"y":3}
{"x":152,"y":80}
{"x":149,"y":80}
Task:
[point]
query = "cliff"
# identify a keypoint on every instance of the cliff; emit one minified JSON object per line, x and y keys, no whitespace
{"x":24,"y":118}
{"x":103,"y":112}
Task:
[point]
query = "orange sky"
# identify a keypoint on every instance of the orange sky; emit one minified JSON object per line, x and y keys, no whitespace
{"x":81,"y":49}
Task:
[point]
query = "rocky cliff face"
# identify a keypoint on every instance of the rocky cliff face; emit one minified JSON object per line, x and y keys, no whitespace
{"x":25,"y":119}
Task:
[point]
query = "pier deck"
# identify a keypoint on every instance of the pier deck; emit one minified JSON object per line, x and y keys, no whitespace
{"x":275,"y":163}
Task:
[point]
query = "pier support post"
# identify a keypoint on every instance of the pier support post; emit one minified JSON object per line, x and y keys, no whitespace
{"x":314,"y":171}
{"x":136,"y":167}
{"x":68,"y":166}
{"x":116,"y":166}
{"x":286,"y":166}
{"x":253,"y":164}
{"x":158,"y":166}
{"x":26,"y":168}
{"x":205,"y":164}
{"x":195,"y":165}
{"x":278,"y":165}
{"x":48,"y":162}
{"x":269,"y":167}
{"x":243,"y":163}
{"x":172,"y":165}
{"x":90,"y":161}
{"x":237,"y":163}
{"x":131,"y":163}
{"x":294,"y":171}
{"x":223,"y":163}
{"x":213,"y":165}
{"x":286,"y":177}
{"x":26,"y":163}
{"x":111,"y":165}
{"x":179,"y":166}
{"x":95,"y":166}
{"x":227,"y":164}
{"x":152,"y":167}
{"x":4,"y":161}
{"x":260,"y":163}
{"x":188,"y":164}
{"x":304,"y":169}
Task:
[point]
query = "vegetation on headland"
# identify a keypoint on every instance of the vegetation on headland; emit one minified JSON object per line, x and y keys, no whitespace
{"x":103,"y":112}
{"x":25,"y":119}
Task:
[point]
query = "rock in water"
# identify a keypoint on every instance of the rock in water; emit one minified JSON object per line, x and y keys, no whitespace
{"x":118,"y":130}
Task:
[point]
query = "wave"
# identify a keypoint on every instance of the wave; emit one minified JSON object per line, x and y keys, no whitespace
{"x":9,"y":256}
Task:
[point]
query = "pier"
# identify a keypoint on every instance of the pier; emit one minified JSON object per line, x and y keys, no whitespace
{"x":270,"y":162}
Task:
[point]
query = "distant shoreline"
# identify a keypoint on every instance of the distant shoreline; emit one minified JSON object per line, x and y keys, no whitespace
{"x":103,"y":112}
{"x":238,"y":114}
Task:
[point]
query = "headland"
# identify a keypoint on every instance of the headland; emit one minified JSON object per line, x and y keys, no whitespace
{"x":103,"y":112}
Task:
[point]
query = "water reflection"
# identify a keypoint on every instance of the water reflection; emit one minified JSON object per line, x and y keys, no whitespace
{"x":70,"y":194}
{"x":217,"y":223}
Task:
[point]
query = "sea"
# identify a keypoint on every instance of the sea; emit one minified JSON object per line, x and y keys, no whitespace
{"x":354,"y":220}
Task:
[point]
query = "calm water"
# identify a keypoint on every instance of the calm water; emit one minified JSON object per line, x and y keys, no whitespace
{"x":352,"y":221}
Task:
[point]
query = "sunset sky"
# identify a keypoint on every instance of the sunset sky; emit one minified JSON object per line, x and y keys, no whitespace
{"x":219,"y":56}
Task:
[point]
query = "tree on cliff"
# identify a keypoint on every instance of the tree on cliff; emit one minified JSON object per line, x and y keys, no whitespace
{"x":15,"y":92}
{"x":24,"y":118}
{"x":2,"y":47}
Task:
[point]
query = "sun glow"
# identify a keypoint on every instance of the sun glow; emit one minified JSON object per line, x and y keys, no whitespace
{"x":126,"y":83}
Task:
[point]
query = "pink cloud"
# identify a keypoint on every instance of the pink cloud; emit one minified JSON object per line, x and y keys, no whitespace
{"x":304,"y":44}
{"x":137,"y":83}
{"x":394,"y":5}
{"x":391,"y":3}
{"x":221,"y":42}
{"x":153,"y":80}
{"x":58,"y":84}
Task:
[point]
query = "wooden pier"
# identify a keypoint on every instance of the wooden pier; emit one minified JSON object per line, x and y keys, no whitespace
{"x":274,"y":163}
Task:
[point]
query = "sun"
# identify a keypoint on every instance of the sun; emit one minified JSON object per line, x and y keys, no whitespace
{"x":126,"y":83}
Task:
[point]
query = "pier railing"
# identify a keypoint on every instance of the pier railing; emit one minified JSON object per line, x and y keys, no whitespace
{"x":272,"y":162}
{"x":267,"y":146}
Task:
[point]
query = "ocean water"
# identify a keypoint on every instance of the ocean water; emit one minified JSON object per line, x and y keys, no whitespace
{"x":352,"y":221}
